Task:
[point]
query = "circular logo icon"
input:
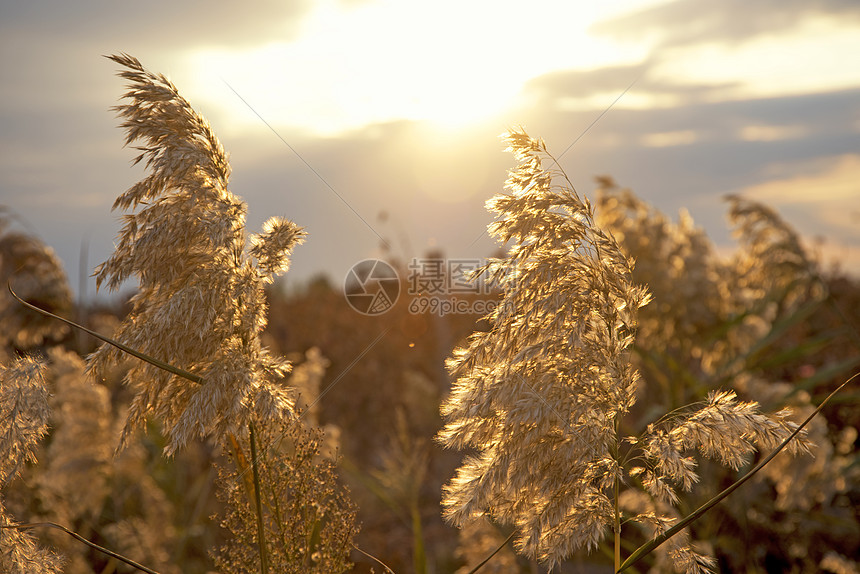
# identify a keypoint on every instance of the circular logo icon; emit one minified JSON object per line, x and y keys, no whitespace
{"x":371,"y":287}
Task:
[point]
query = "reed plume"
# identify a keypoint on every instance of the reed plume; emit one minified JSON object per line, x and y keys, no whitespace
{"x":200,"y":304}
{"x":734,"y":320}
{"x":541,"y":395}
{"x":200,"y":311}
{"x":25,"y":412}
{"x":36,"y":274}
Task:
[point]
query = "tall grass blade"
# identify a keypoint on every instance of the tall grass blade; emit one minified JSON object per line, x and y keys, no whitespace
{"x":143,"y":357}
{"x":261,"y":530}
{"x":496,"y":551}
{"x":80,"y":538}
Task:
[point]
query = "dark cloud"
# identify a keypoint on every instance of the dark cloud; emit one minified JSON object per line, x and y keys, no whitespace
{"x":694,"y":175}
{"x":615,"y":79}
{"x":165,"y":23}
{"x":692,"y":21}
{"x":583,"y":83}
{"x":50,"y":50}
{"x":697,"y":109}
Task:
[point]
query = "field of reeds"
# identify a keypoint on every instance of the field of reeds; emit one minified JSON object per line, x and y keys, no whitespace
{"x":633,"y":400}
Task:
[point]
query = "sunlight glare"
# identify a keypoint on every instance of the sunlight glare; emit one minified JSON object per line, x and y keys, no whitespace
{"x":450,"y":63}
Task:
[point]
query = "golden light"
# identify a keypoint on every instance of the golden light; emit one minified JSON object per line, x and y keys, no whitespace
{"x":450,"y":63}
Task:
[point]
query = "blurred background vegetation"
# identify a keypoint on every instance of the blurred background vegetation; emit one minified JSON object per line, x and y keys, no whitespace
{"x":766,"y":321}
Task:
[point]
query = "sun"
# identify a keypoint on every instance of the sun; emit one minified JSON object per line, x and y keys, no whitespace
{"x":353,"y":65}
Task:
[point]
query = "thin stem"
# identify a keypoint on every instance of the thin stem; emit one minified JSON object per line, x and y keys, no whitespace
{"x":496,"y":551}
{"x":261,"y":534}
{"x":143,"y":357}
{"x":371,"y":556}
{"x":617,"y":494}
{"x":419,"y":557}
{"x":80,"y":538}
{"x":242,"y":466}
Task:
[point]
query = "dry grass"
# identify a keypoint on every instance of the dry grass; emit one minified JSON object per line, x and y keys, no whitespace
{"x":548,"y":399}
{"x":542,"y":395}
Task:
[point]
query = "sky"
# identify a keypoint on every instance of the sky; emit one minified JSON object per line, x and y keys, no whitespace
{"x":378,"y":121}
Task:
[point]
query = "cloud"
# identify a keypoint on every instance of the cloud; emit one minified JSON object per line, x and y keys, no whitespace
{"x":799,"y":125}
{"x":768,"y":133}
{"x":826,"y":191}
{"x":822,"y":178}
{"x":584,"y":85}
{"x":684,"y":22}
{"x":720,"y":147}
{"x":669,"y":139}
{"x":166,"y":24}
{"x":676,"y":142}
